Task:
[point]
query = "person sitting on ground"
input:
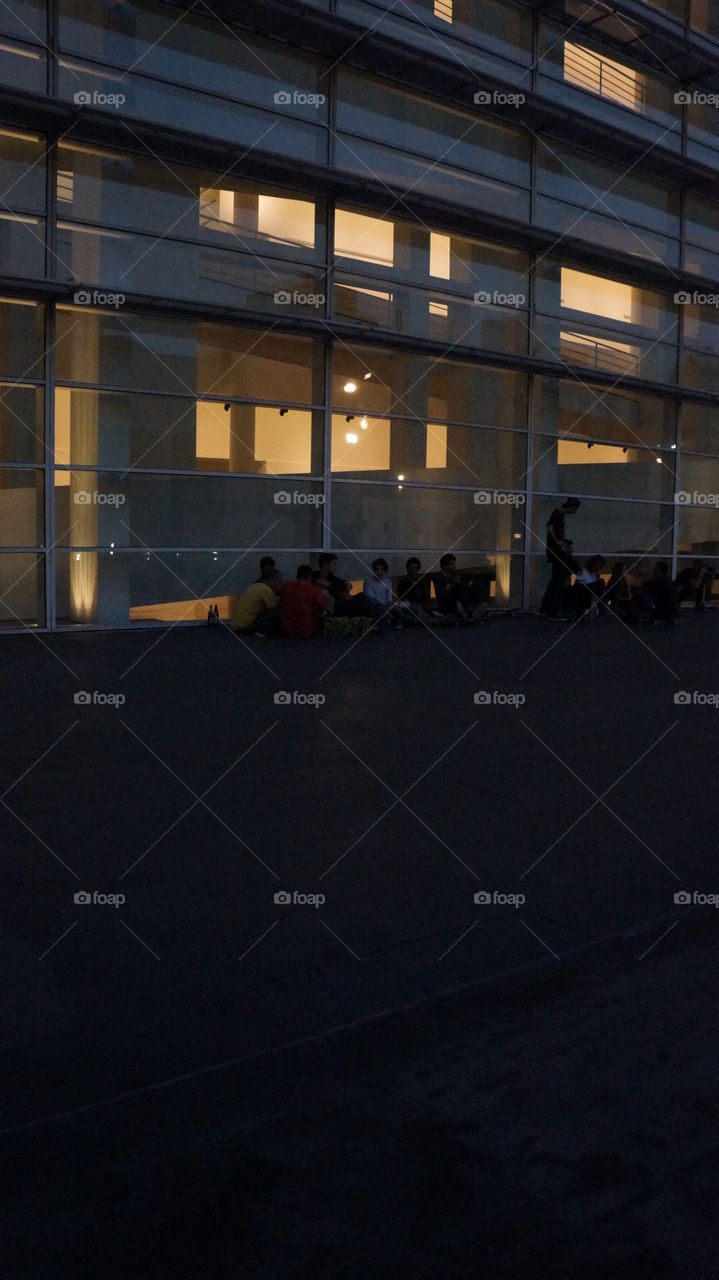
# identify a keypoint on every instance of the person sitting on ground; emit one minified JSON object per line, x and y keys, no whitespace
{"x":265,"y":563}
{"x":257,"y":610}
{"x":695,"y":583}
{"x":303,"y":605}
{"x":454,"y":597}
{"x":618,"y":596}
{"x":377,"y":594}
{"x":657,"y":597}
{"x":326,"y":576}
{"x":413,"y":592}
{"x":588,"y":588}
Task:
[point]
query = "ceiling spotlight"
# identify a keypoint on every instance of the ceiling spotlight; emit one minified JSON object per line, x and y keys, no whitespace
{"x":400,"y":477}
{"x":624,"y":450}
{"x":657,"y":459}
{"x":590,"y":446}
{"x":367,"y":377}
{"x":350,"y":387}
{"x":227,"y":408}
{"x":364,"y":424}
{"x":283,"y":412}
{"x":516,"y":535}
{"x":351,"y":437}
{"x":350,"y":417}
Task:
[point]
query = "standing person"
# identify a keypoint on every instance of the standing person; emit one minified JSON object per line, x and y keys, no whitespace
{"x":558,"y":557}
{"x":303,"y":605}
{"x":413,"y":592}
{"x":377,"y":594}
{"x":257,"y":610}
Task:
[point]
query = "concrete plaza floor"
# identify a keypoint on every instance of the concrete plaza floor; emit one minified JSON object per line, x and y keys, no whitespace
{"x":381,"y":1075}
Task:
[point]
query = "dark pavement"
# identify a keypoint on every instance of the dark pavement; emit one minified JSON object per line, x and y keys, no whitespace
{"x":201,"y":1081}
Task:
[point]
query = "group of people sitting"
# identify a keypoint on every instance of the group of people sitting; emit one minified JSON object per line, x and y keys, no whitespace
{"x":320,"y":601}
{"x":657,"y":599}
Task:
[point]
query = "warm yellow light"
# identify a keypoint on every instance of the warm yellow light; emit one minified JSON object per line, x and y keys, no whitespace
{"x":350,"y":387}
{"x":364,"y":424}
{"x":351,"y":438}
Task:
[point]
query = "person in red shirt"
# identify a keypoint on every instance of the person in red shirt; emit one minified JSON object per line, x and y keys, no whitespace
{"x":302,"y":605}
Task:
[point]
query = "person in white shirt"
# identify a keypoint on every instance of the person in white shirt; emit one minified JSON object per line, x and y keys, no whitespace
{"x":588,"y":588}
{"x":377,"y":594}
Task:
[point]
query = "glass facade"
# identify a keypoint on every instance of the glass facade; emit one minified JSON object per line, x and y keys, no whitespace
{"x":258,"y":298}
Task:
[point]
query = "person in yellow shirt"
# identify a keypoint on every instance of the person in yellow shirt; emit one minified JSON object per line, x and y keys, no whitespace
{"x":257,"y":610}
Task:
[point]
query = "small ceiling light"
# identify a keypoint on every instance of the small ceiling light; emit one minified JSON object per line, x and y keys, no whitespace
{"x":283,"y":412}
{"x":351,"y":438}
{"x":350,"y":417}
{"x":657,"y":459}
{"x":516,"y":535}
{"x":399,"y":486}
{"x":227,"y":408}
{"x":590,"y":446}
{"x":400,"y":477}
{"x":350,"y":387}
{"x":364,"y":424}
{"x":367,"y":377}
{"x":624,"y":450}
